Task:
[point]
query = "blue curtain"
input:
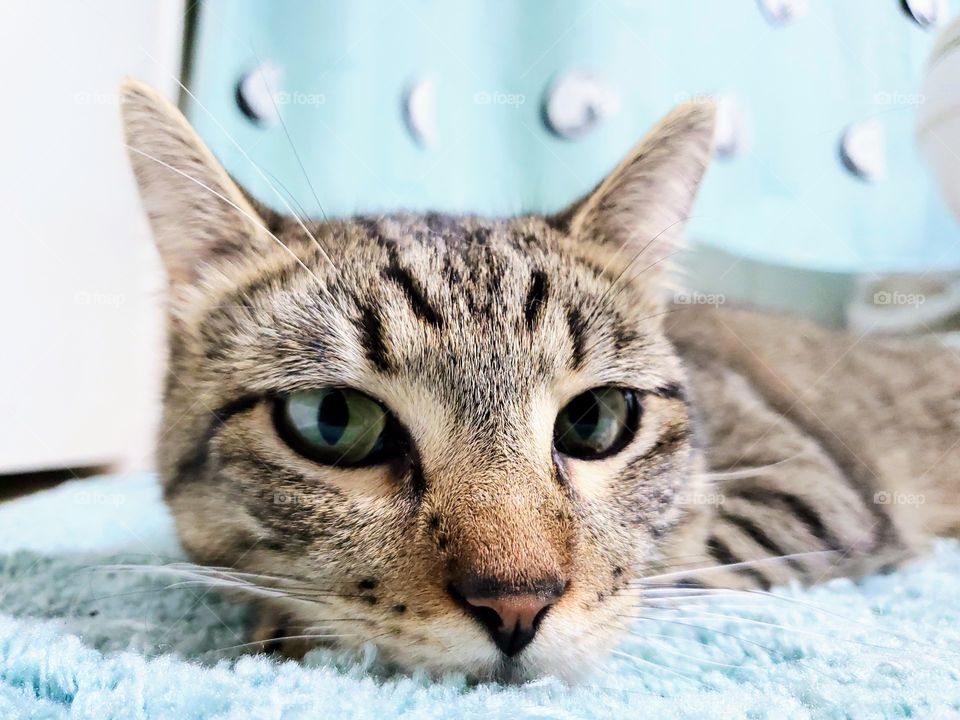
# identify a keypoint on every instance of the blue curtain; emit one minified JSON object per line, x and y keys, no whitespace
{"x":340,"y":73}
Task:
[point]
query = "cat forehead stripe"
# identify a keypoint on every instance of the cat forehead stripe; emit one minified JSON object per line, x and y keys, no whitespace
{"x":413,"y":292}
{"x":536,"y":302}
{"x":577,"y":326}
{"x":372,"y":340}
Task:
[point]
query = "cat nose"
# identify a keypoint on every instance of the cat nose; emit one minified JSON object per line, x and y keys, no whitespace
{"x":510,"y":619}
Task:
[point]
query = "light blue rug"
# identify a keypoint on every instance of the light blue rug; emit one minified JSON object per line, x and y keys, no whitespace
{"x":78,"y":640}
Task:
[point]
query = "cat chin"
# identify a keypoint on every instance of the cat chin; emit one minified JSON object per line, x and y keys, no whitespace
{"x":568,"y":649}
{"x":533,"y":664}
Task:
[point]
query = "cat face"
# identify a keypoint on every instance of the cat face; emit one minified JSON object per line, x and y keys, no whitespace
{"x":455,"y":438}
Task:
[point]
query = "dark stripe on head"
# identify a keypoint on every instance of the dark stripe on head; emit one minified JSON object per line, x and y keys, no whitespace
{"x":624,"y":333}
{"x":578,"y":336}
{"x":480,"y":236}
{"x":536,"y":302}
{"x":671,"y":391}
{"x":195,"y":461}
{"x":414,"y":294}
{"x":371,"y":330}
{"x":798,"y":508}
{"x":370,"y":225}
{"x":527,"y":241}
{"x":443,"y":224}
{"x":755,"y":533}
{"x":720,"y":552}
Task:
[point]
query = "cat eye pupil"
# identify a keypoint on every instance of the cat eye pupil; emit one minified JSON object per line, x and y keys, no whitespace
{"x":586,"y":413}
{"x":332,"y":417}
{"x":596,"y":423}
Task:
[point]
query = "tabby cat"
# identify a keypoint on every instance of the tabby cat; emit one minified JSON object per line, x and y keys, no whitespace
{"x":470,"y":440}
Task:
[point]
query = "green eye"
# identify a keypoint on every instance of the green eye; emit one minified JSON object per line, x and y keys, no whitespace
{"x":334,"y":426}
{"x":597,"y":423}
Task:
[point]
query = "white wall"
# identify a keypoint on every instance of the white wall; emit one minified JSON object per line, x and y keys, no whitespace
{"x":79,"y":281}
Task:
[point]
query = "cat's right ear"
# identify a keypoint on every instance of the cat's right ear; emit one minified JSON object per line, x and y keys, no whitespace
{"x":197,"y":213}
{"x":640,"y":208}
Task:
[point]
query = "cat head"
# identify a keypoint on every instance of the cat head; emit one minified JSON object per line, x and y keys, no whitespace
{"x":459,"y":439}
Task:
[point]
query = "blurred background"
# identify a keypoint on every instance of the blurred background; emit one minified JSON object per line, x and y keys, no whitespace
{"x":834,"y":194}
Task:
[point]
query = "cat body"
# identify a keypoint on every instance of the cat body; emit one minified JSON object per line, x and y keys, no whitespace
{"x":542,"y":433}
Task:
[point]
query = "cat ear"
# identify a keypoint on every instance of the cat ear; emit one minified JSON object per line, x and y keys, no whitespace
{"x":641,"y":207}
{"x":197,"y":213}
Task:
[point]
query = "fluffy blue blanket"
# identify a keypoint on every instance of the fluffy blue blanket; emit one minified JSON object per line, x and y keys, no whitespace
{"x":81,"y":639}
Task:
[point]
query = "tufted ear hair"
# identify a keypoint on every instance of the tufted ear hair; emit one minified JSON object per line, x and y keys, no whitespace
{"x":197,"y":213}
{"x":640,"y":208}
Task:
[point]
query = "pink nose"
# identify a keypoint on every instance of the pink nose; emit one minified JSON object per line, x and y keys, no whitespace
{"x":511,"y":620}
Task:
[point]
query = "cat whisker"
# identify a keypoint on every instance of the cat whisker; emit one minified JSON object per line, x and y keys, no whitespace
{"x":307,"y":636}
{"x":660,"y":667}
{"x":201,"y":576}
{"x":774,"y":653}
{"x":656,"y":579}
{"x":679,"y":623}
{"x":286,"y":132}
{"x":129,"y":593}
{"x":634,"y":259}
{"x":667,"y":596}
{"x":257,"y":168}
{"x":747,"y":472}
{"x":700,"y":615}
{"x":676,"y":590}
{"x":227,"y":200}
{"x":289,"y":580}
{"x":846,"y":620}
{"x":695,"y":660}
{"x":289,"y":194}
{"x":692,"y":598}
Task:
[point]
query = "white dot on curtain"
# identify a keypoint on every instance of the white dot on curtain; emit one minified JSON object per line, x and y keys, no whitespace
{"x":418,"y":112}
{"x":258,"y":93}
{"x":926,"y":13}
{"x":731,"y":135}
{"x":782,"y":12}
{"x":577,"y":102}
{"x":863,"y":150}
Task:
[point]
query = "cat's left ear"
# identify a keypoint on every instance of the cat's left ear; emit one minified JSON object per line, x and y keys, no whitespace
{"x":198,"y":214}
{"x":642,"y":205}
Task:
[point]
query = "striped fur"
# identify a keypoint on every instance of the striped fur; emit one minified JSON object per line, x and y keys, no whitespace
{"x":759,"y":436}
